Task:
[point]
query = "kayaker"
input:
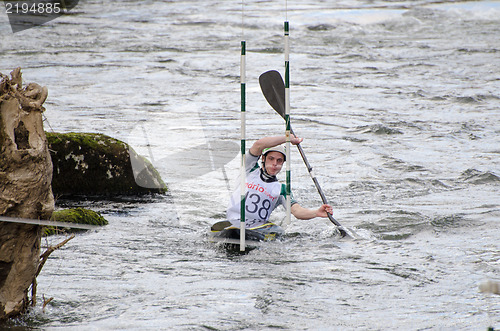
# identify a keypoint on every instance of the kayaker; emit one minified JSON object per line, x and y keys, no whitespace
{"x":264,"y":191}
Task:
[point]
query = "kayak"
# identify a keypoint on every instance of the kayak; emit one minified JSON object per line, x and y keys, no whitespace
{"x":229,"y":236}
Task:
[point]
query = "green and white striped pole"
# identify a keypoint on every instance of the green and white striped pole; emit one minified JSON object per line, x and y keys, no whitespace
{"x":243,"y":143}
{"x":287,"y":123}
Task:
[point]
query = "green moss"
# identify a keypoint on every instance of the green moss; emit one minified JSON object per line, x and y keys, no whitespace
{"x":95,"y":141}
{"x":75,"y":215}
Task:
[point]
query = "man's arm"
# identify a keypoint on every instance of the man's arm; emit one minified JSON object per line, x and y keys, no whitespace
{"x":267,"y":142}
{"x":306,"y":214}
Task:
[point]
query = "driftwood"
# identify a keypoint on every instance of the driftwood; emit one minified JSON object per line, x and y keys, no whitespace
{"x":25,"y":188}
{"x":43,"y":259}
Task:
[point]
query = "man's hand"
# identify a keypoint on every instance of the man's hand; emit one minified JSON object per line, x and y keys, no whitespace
{"x":323,"y":210}
{"x":295,"y":140}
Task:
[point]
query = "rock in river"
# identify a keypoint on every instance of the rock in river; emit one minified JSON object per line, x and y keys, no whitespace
{"x":98,"y":165}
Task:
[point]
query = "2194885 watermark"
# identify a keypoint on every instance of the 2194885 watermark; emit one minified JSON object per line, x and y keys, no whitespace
{"x":26,"y":14}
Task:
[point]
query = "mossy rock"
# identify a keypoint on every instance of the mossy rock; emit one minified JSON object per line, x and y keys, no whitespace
{"x":75,"y":215}
{"x":94,"y":164}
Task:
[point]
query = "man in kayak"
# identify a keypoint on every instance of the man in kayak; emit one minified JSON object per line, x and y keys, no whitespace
{"x":264,"y":192}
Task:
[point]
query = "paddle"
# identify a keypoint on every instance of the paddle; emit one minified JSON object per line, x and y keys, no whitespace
{"x":273,"y":88}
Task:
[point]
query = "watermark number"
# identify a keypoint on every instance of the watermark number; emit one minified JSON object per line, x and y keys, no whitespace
{"x":34,"y":8}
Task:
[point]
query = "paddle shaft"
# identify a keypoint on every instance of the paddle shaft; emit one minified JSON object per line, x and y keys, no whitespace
{"x":315,"y":180}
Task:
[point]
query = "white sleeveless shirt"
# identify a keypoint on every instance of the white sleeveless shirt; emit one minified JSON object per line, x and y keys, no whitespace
{"x":263,"y":195}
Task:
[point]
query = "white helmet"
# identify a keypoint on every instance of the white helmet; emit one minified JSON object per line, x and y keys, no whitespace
{"x":280,"y":149}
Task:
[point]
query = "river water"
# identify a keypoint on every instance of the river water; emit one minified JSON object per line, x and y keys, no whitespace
{"x":398,"y":102}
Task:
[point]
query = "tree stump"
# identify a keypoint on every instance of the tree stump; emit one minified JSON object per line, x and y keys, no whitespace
{"x":25,"y":188}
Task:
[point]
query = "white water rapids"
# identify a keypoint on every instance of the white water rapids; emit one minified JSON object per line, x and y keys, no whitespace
{"x":398,"y":103}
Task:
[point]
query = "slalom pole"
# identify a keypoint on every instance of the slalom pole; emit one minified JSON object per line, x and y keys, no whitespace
{"x":243,"y":140}
{"x":288,"y":126}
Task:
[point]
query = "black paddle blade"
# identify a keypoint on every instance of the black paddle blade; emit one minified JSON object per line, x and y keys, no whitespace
{"x":343,"y":233}
{"x":273,"y":88}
